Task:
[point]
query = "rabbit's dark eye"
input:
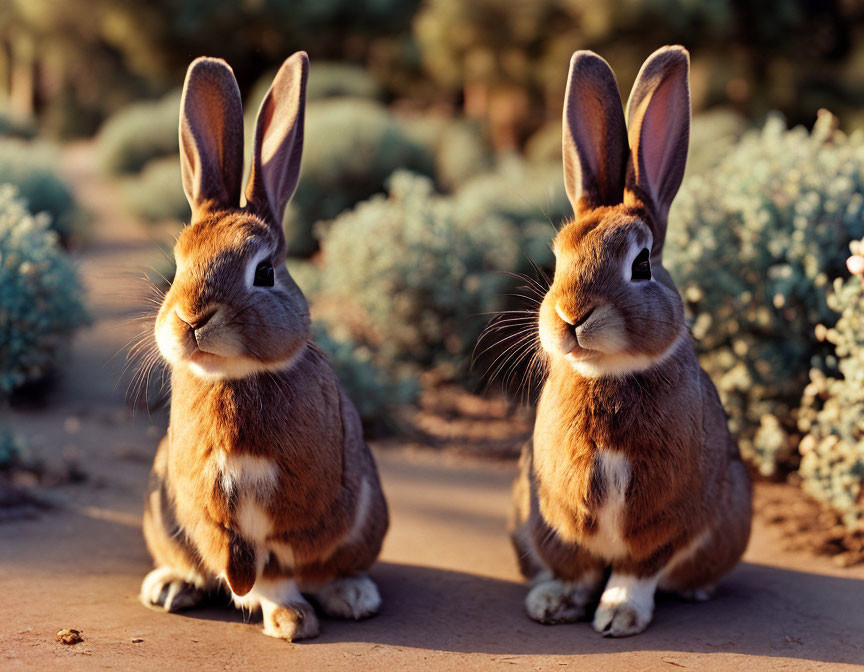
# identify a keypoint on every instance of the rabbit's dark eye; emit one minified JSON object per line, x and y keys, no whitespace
{"x":641,"y":266}
{"x":264,"y":274}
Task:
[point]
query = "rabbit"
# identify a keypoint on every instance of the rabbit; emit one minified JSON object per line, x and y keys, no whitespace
{"x":631,"y":481}
{"x":263,"y":483}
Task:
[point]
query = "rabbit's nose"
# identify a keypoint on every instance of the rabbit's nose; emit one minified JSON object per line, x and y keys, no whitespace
{"x":569,"y":318}
{"x":197,"y":322}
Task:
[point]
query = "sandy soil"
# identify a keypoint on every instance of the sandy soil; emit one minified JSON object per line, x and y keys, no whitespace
{"x":452,"y":595}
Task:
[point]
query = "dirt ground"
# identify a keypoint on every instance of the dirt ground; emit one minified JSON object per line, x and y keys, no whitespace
{"x":452,"y":595}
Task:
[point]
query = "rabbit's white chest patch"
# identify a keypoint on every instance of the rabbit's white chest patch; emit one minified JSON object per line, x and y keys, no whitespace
{"x":608,"y":539}
{"x":242,"y":474}
{"x":246,"y":481}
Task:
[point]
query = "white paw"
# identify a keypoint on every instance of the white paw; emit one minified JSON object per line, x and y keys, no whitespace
{"x":555,"y":601}
{"x":293,"y":621}
{"x":167,"y":588}
{"x":353,"y":597}
{"x":626,"y":607}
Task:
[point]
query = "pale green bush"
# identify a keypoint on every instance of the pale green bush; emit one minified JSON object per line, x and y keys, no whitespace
{"x":156,"y":193}
{"x":752,"y":244}
{"x":33,"y":167}
{"x":374,"y":392}
{"x":138,"y":134}
{"x":10,"y":448}
{"x":531,"y":197}
{"x":41,"y":302}
{"x":351,"y":146}
{"x":421,"y":273}
{"x":458,"y":148}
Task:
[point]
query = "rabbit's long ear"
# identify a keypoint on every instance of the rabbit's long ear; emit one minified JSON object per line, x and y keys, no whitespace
{"x":594,"y":143}
{"x":211,"y":136}
{"x":279,"y":139}
{"x":658,"y":116}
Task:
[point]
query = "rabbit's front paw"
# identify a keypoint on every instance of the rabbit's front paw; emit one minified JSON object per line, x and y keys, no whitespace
{"x":626,"y":607}
{"x":167,"y":588}
{"x":556,"y":601}
{"x":352,"y":597}
{"x":296,"y":620}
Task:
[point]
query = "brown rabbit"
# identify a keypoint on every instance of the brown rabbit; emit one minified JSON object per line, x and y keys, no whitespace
{"x":632,"y":473}
{"x":264,"y":482}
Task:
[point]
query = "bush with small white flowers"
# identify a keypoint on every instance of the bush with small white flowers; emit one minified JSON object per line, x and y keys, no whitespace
{"x":832,"y":409}
{"x":753,"y":244}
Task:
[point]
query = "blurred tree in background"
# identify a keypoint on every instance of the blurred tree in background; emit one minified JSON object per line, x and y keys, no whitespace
{"x":73,"y":62}
{"x":508,"y":58}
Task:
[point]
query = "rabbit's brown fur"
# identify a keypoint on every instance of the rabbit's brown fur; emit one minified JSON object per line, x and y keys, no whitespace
{"x":264,"y":481}
{"x":632,"y":473}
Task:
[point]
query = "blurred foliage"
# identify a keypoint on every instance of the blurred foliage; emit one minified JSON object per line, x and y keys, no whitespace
{"x":412,"y":278}
{"x":753,"y":243}
{"x":75,"y":63}
{"x":531,"y":197}
{"x":339,"y":80}
{"x":374,"y":392}
{"x":41,"y":301}
{"x":509,"y":60}
{"x":32,"y":166}
{"x":139,"y":133}
{"x":94,"y":57}
{"x":351,"y":146}
{"x":13,"y":126}
{"x":157,"y":192}
{"x":10,"y":448}
{"x":832,"y":414}
{"x":458,"y":148}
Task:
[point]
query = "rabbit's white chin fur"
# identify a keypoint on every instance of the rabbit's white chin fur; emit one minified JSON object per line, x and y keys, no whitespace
{"x":213,"y":367}
{"x":599,"y":365}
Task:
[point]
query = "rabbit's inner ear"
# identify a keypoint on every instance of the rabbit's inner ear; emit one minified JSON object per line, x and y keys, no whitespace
{"x":658,"y":115}
{"x":211,"y":136}
{"x":594,"y":143}
{"x":279,"y":140}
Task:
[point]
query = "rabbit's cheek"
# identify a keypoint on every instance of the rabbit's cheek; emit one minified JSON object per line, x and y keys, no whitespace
{"x":219,"y":340}
{"x":605,"y":331}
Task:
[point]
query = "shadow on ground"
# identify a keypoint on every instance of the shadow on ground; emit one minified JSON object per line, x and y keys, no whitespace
{"x":758,"y":611}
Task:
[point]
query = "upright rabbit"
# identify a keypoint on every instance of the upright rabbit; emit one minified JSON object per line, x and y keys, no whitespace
{"x":632,"y":481}
{"x":264,"y":481}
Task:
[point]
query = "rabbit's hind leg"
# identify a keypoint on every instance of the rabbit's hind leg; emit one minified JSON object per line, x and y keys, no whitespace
{"x":351,"y":597}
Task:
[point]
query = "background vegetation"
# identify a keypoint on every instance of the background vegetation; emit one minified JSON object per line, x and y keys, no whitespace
{"x":432,"y":170}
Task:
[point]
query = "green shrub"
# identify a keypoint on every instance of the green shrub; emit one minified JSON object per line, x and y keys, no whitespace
{"x":351,"y":147}
{"x":327,"y":79}
{"x":531,"y":197}
{"x":11,"y":125}
{"x":32,"y":167}
{"x":545,"y":144}
{"x":458,"y":147}
{"x":41,"y":301}
{"x":138,"y":134}
{"x":832,"y":413}
{"x":373,"y":391}
{"x":713,"y":135}
{"x":420,"y":273}
{"x":10,"y":448}
{"x":156,"y":193}
{"x":752,"y":244}
{"x":340,"y":80}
